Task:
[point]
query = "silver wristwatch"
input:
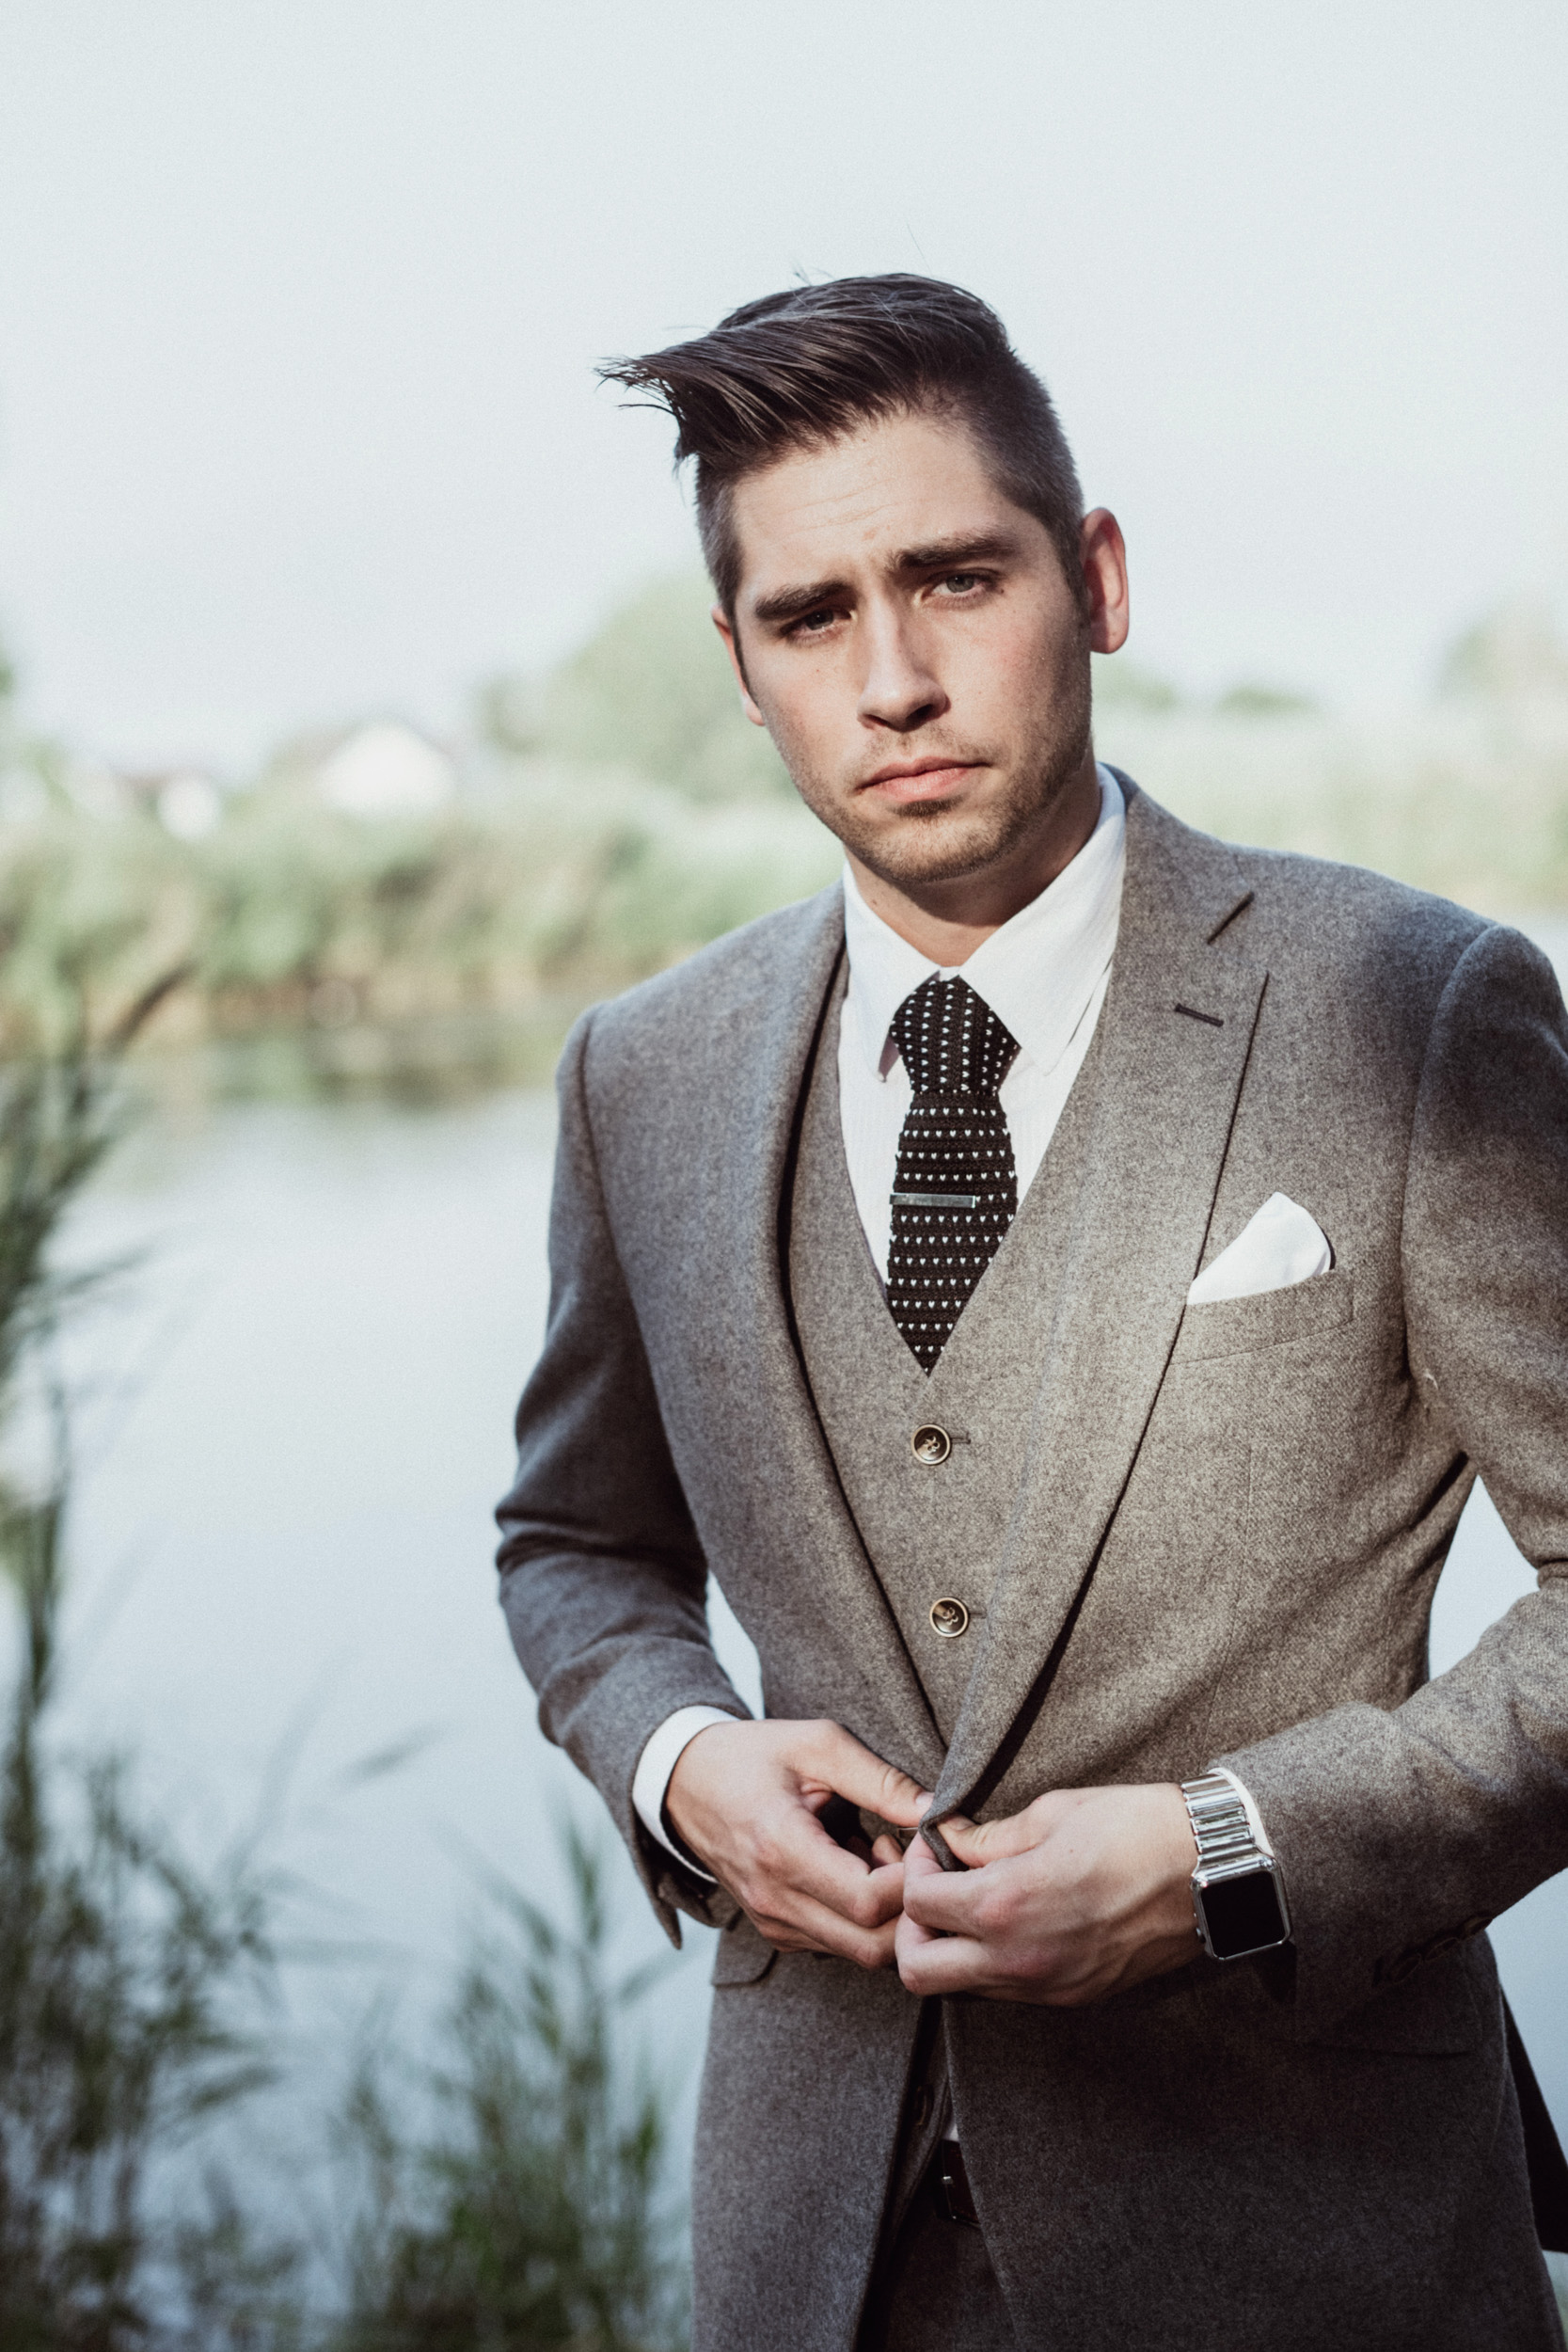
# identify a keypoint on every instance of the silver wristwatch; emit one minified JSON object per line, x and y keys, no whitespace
{"x":1237,"y":1889}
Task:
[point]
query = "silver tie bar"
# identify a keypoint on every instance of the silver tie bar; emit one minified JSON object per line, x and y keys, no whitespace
{"x":935,"y":1199}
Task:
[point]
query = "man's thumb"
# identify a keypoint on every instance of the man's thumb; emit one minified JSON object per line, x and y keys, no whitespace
{"x":853,"y":1772}
{"x":980,"y":1842}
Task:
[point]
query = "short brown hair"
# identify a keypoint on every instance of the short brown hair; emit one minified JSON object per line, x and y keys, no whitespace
{"x":795,"y":370}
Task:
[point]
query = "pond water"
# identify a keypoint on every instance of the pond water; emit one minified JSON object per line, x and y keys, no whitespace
{"x":294,"y":1423}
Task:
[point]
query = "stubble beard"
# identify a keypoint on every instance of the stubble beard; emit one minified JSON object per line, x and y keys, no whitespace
{"x":933,"y":842}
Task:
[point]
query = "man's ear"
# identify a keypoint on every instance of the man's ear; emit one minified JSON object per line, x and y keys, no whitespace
{"x":1104,"y":557}
{"x":722,"y":623}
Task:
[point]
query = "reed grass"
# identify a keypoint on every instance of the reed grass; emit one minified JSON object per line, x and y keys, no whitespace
{"x":531,"y":2207}
{"x":511,"y":2194}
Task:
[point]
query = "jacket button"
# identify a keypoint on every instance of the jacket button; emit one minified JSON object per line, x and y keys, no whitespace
{"x":931,"y":1444}
{"x":949,"y":1619}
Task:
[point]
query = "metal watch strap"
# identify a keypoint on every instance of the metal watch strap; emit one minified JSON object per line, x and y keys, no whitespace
{"x":1221,"y":1830}
{"x":1238,"y":1906}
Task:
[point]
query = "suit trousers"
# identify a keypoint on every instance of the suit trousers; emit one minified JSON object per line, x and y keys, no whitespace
{"x":933,"y":2288}
{"x":938,"y":2292}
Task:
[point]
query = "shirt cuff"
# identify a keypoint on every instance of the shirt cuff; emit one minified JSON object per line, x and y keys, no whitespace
{"x":1253,"y":1819}
{"x":655,"y":1765}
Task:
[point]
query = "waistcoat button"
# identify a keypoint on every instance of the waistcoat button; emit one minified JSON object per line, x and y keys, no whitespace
{"x":949,"y":1619}
{"x":931,"y":1444}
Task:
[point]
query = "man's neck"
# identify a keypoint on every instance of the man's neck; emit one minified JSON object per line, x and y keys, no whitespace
{"x":946,"y":921}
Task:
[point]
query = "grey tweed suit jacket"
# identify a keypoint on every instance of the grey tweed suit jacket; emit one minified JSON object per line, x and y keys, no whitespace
{"x":1226,"y":1530}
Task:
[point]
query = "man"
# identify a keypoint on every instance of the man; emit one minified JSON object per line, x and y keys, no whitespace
{"x":1062,"y":1285}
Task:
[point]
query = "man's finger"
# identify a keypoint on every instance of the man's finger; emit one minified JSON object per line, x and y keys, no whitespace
{"x":935,"y":1944}
{"x":806,"y":1924}
{"x":861,"y":1897}
{"x":797,"y":1857}
{"x":954,"y":1903}
{"x":833,"y":1757}
{"x":920,"y":1863}
{"x":980,"y":1842}
{"x":940,"y":1964}
{"x":923,"y":1873}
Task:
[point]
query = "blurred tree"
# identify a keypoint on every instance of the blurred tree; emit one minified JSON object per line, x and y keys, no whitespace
{"x":651,"y":692}
{"x":1251,"y":701}
{"x":1518,"y":653}
{"x":1122,"y":685}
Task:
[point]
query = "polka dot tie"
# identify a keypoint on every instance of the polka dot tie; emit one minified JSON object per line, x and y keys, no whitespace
{"x":956,"y":1192}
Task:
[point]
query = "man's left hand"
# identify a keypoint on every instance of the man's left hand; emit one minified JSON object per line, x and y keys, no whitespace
{"x":1085,"y":1892}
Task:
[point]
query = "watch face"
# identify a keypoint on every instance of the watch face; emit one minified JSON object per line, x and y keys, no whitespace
{"x":1243,"y":1915}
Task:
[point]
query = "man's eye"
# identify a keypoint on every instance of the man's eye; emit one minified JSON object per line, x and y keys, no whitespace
{"x":958,"y":583}
{"x":813,"y":624}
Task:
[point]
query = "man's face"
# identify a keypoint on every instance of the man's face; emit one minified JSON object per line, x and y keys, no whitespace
{"x":911,"y":643}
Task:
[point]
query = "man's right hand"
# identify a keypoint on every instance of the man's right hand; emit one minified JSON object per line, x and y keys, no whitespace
{"x":746,"y":1796}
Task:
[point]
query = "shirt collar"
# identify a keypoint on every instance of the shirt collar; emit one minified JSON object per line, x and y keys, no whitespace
{"x":1037,"y":972}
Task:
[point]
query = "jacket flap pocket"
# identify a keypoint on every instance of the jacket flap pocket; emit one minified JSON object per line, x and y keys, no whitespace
{"x":744,"y":1955}
{"x":1434,"y":2010}
{"x":1232,"y":1327}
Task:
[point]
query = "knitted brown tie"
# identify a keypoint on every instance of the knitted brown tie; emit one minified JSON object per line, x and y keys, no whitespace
{"x":956,"y":1192}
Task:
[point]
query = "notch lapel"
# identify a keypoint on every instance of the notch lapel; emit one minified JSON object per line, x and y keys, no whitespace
{"x":826,"y":1580}
{"x":1178,"y":1021}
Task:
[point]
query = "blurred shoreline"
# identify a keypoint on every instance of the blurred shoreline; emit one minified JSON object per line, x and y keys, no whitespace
{"x":423,"y":916}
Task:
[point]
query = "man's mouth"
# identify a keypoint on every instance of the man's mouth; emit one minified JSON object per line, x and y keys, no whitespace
{"x":903,"y":782}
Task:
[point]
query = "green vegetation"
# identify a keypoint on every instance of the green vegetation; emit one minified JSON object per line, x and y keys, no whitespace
{"x":532,"y":2211}
{"x":651,"y":692}
{"x":613,"y":817}
{"x":590,"y":845}
{"x":122,"y":1971}
{"x":512,"y":2195}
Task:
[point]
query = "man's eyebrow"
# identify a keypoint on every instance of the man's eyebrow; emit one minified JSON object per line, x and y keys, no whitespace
{"x":956,"y":554}
{"x":939,"y":555}
{"x":790,"y":604}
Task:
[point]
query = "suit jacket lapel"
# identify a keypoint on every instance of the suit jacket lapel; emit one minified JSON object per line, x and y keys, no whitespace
{"x":1179,"y":1020}
{"x":833,"y":1584}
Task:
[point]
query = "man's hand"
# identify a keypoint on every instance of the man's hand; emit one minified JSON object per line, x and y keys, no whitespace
{"x":1083,"y":1893}
{"x":746,"y":1797}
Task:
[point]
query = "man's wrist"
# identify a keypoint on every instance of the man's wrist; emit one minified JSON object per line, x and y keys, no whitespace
{"x":655,"y":1766}
{"x":1238,"y":1888}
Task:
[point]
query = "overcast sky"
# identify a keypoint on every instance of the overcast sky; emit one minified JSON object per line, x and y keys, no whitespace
{"x":299,"y":299}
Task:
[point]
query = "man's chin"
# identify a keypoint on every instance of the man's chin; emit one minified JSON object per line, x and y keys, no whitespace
{"x":928,"y":847}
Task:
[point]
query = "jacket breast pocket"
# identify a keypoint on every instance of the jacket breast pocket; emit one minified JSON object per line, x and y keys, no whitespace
{"x":1239,"y":1326}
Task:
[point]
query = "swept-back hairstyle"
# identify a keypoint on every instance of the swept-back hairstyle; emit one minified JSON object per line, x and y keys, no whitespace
{"x":795,"y":369}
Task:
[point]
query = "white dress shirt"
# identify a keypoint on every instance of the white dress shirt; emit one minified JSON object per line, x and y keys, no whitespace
{"x":1044,"y":974}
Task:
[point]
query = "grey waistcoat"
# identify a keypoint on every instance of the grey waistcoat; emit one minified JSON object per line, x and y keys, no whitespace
{"x":933,"y":1531}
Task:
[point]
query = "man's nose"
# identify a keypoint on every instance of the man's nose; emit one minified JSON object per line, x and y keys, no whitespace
{"x":900,"y":689}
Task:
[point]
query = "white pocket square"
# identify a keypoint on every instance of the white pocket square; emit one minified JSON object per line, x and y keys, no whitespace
{"x":1280,"y":1246}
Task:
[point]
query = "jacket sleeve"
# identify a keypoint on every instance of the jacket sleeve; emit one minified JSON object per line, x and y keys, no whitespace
{"x":1403,"y":1831}
{"x":603,"y":1580}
